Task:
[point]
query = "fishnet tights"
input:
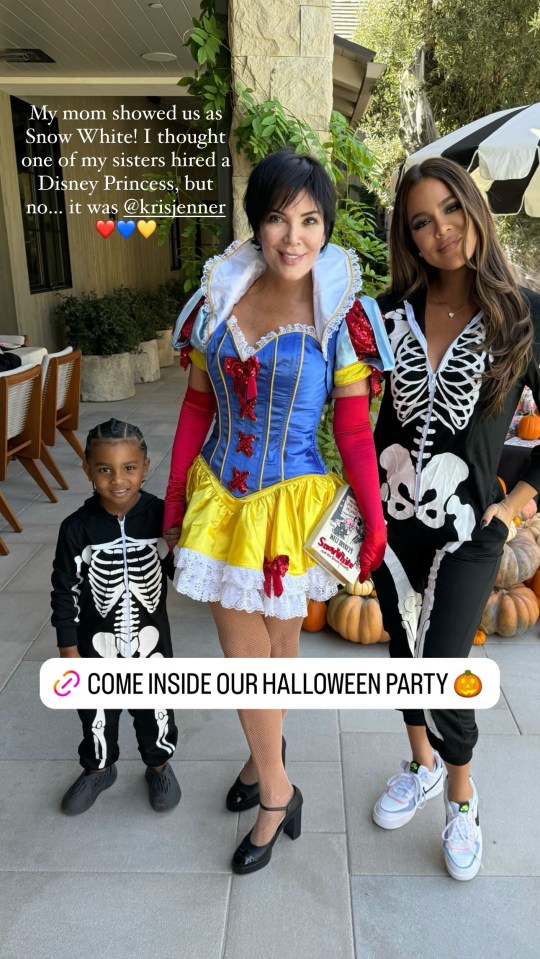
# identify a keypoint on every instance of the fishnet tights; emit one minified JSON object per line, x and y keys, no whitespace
{"x":251,"y":635}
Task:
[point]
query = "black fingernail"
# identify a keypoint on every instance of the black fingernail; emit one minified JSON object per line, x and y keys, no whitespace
{"x":483,"y":523}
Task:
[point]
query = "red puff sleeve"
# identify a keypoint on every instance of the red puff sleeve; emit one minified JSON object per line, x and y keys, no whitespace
{"x":183,"y":342}
{"x":363,"y":341}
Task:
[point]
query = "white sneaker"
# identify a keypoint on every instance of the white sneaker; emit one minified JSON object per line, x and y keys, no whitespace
{"x":462,"y":837}
{"x":407,"y":792}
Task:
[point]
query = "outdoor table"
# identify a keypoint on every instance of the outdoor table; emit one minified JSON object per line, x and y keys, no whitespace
{"x":30,"y":354}
{"x":516,"y":455}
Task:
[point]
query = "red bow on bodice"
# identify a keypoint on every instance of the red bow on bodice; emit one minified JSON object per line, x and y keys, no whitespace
{"x":244,"y":376}
{"x":273,"y":570}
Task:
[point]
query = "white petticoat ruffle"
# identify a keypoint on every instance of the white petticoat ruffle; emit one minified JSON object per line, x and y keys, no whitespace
{"x":236,"y":587}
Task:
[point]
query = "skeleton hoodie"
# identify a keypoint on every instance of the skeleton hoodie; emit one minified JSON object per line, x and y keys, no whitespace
{"x":438,"y":454}
{"x":109,"y":584}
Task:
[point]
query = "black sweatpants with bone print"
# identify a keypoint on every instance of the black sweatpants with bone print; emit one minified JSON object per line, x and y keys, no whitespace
{"x":430,"y":610}
{"x":155,"y":730}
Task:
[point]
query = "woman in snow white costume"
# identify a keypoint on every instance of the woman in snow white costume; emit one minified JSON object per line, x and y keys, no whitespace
{"x":274,"y":331}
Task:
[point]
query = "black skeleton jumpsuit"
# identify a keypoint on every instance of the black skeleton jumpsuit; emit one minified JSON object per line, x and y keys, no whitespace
{"x":438,"y":459}
{"x":109,"y":599}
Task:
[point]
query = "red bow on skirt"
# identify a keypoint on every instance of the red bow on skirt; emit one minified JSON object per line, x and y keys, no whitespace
{"x":273,"y":570}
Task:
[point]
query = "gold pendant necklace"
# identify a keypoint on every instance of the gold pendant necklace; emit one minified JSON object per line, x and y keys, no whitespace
{"x":451,"y":313}
{"x":454,"y":313}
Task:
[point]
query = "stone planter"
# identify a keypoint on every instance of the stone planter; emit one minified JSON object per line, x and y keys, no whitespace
{"x":146,"y":362}
{"x":165,"y":350}
{"x":105,"y":378}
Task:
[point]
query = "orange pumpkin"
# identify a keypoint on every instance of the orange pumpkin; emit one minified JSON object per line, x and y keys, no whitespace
{"x":479,"y":637}
{"x":357,"y":618}
{"x":519,"y":561}
{"x":468,"y":684}
{"x":510,"y":612}
{"x":503,"y":484}
{"x":316,"y":616}
{"x":534,"y":584}
{"x":528,"y":427}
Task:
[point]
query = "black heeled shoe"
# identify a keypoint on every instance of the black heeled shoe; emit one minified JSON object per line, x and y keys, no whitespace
{"x":243,"y":795}
{"x":248,"y":857}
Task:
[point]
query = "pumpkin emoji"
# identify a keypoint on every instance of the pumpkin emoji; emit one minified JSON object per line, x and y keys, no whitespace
{"x":468,"y":684}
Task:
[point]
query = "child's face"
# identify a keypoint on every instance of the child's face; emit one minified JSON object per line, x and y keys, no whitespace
{"x":117,"y":470}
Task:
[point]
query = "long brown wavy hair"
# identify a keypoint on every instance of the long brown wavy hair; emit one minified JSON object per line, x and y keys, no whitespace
{"x":509,"y":333}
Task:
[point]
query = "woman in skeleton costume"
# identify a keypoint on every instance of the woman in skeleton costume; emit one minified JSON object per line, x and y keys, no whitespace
{"x":274,"y":330}
{"x":109,"y":600}
{"x":462,"y":333}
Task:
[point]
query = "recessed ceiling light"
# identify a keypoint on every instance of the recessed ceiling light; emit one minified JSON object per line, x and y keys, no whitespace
{"x":155,"y":6}
{"x":158,"y":56}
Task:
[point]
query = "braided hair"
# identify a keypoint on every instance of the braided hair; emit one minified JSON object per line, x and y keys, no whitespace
{"x":112,"y":431}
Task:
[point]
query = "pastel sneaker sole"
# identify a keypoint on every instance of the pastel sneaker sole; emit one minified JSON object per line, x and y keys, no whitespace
{"x":463,"y":874}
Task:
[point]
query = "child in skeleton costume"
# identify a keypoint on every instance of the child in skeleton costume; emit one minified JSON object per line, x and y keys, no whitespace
{"x":109,"y":600}
{"x":274,"y":330}
{"x":462,"y":336}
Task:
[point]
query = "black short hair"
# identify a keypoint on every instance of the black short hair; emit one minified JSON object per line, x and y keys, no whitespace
{"x":114,"y":430}
{"x":279,"y":178}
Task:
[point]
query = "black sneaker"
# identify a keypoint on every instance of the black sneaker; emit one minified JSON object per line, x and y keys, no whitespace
{"x":163,"y":788}
{"x":86,"y":789}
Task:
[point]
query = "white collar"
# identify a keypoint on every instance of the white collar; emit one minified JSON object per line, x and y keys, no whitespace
{"x":336,"y":279}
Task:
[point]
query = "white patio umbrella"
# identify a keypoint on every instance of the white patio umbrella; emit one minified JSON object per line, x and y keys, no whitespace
{"x":502,"y":153}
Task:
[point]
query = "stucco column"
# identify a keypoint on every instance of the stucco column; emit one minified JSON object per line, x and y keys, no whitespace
{"x":281,"y":49}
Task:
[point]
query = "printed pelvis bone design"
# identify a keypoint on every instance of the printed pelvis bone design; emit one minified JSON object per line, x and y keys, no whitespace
{"x":108,"y":584}
{"x":437,"y":490}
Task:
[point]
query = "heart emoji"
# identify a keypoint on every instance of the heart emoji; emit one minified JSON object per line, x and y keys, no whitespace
{"x":126,"y":229}
{"x":146,"y":227}
{"x":105,"y":228}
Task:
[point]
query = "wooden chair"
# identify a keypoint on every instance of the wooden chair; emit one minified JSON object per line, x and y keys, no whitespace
{"x":60,"y":405}
{"x":3,"y":548}
{"x":20,"y":430}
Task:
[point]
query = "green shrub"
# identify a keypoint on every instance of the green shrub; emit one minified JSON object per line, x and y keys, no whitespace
{"x":97,"y":325}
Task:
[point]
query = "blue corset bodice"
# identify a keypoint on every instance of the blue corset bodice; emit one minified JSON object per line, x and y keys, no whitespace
{"x":269,"y":409}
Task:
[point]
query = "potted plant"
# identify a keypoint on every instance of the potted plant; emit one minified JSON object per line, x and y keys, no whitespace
{"x":165,"y":305}
{"x":138,"y":310}
{"x":100,"y":328}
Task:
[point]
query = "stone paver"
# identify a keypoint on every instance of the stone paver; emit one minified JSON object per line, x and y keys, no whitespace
{"x":411,"y":916}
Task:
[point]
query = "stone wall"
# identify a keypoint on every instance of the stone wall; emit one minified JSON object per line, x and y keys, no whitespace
{"x":282,"y":49}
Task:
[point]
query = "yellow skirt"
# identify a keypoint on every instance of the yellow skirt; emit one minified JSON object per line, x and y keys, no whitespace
{"x":247,"y":553}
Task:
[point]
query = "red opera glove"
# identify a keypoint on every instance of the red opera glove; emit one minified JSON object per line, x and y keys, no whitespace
{"x":195,"y":420}
{"x":354,"y":440}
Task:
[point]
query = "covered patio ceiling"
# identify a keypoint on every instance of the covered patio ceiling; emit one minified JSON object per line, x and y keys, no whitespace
{"x":96,"y":47}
